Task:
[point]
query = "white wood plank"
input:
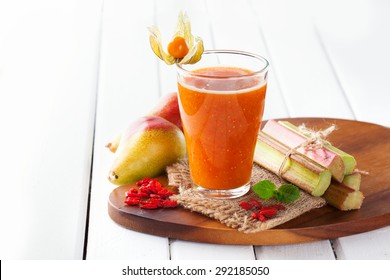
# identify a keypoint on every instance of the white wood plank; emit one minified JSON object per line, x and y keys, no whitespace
{"x":357,"y":48}
{"x":128,"y":86}
{"x":357,"y":42}
{"x":48,"y":62}
{"x":309,"y":251}
{"x":185,"y":250}
{"x":373,"y":245}
{"x":305,"y":77}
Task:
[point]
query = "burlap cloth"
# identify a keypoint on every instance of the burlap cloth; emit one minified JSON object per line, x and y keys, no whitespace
{"x":228,"y":211}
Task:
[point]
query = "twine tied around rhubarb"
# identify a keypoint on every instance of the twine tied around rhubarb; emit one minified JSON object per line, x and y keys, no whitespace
{"x":316,"y":140}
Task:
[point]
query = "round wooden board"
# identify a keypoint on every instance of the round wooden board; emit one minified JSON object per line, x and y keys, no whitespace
{"x":370,"y":145}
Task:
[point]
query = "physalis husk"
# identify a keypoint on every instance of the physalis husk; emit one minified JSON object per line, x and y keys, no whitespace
{"x":183,"y":29}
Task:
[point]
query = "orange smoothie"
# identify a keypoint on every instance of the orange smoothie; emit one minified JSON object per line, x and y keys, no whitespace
{"x":221,"y":119}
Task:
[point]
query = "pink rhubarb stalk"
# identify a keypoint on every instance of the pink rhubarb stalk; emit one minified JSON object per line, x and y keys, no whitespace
{"x":322,"y":156}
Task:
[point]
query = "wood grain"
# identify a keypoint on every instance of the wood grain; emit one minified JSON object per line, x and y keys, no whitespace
{"x":49,"y":52}
{"x":369,"y":143}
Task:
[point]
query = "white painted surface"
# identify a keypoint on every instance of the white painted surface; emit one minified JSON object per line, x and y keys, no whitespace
{"x":357,"y":49}
{"x":128,"y":84}
{"x":305,"y":78}
{"x":48,"y":79}
{"x":373,"y":245}
{"x":57,"y":58}
{"x":186,"y":250}
{"x":320,"y":250}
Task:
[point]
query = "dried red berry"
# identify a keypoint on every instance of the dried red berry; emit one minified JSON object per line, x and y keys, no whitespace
{"x":143,"y":181}
{"x":156,"y":201}
{"x":267,"y":212}
{"x":254,"y":215}
{"x":169,"y":204}
{"x":143,"y":202}
{"x":143,"y":195}
{"x":150,"y":195}
{"x":256,"y":203}
{"x":164,"y":193}
{"x":130,"y":194}
{"x":145,"y":189}
{"x":261,"y":217}
{"x":246,"y":205}
{"x":149,"y":206}
{"x":157,"y":185}
{"x":132,"y":201}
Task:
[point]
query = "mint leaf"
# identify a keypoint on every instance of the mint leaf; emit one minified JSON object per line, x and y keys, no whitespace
{"x":264,"y":189}
{"x":287,"y":193}
{"x":278,"y":196}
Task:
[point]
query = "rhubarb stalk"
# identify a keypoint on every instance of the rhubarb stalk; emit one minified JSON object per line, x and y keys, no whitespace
{"x":292,"y":139}
{"x":297,"y":169}
{"x":349,"y":161}
{"x":343,"y":197}
{"x":353,"y":180}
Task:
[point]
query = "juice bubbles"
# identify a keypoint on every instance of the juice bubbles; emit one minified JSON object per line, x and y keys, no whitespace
{"x":221,"y":109}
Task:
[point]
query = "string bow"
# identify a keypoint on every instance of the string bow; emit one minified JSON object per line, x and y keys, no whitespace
{"x":315,"y":140}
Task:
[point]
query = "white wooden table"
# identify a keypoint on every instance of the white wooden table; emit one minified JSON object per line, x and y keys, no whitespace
{"x":74,"y":73}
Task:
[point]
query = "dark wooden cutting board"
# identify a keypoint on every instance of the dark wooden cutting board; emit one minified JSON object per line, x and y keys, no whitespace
{"x":368,"y":143}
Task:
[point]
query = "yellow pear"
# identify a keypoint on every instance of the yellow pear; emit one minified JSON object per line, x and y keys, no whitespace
{"x":145,"y":149}
{"x":167,"y":107}
{"x":114,"y":143}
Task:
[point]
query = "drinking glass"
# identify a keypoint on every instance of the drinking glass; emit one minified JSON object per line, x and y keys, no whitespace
{"x":221,"y":101}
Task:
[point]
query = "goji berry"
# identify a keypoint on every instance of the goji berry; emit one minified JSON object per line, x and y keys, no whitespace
{"x":254,"y":215}
{"x":143,"y":195}
{"x":246,"y":205}
{"x":143,"y":181}
{"x":157,"y":185}
{"x":164,"y":193}
{"x":129,"y":194}
{"x":151,"y":187}
{"x":145,"y":189}
{"x":143,"y":202}
{"x":267,"y":212}
{"x":261,"y":217}
{"x":150,"y":195}
{"x":256,"y":203}
{"x":132,"y":201}
{"x":156,"y":201}
{"x":133,"y":190}
{"x":169,"y":203}
{"x":149,"y":206}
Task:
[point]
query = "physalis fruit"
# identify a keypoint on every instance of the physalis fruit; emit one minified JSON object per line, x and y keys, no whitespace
{"x":184,"y":48}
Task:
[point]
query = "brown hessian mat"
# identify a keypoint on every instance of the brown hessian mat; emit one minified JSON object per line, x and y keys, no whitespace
{"x":228,"y":211}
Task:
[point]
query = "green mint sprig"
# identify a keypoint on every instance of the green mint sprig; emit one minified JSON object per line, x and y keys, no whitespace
{"x":286,"y":193}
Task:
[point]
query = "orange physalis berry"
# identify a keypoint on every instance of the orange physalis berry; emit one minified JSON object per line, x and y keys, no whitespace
{"x":178,"y":47}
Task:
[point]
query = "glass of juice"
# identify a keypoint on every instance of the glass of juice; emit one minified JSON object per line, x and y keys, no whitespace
{"x":221,"y":101}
